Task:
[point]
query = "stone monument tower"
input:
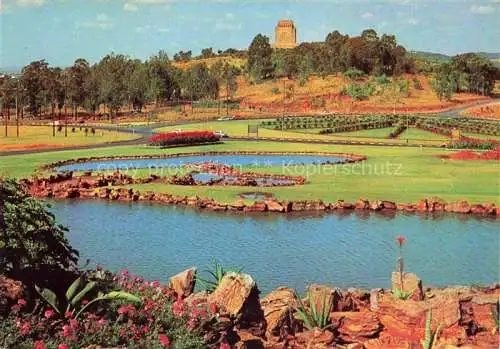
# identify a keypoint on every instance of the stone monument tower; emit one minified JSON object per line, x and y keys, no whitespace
{"x":286,"y":34}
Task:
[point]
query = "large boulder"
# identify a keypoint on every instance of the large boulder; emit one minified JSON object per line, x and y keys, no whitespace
{"x":274,"y":206}
{"x":411,"y":283}
{"x":355,"y":327}
{"x":183,"y":283}
{"x":238,"y":295}
{"x":278,"y":307}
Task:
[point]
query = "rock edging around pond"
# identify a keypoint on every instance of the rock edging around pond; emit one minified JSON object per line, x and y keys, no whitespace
{"x":64,"y":185}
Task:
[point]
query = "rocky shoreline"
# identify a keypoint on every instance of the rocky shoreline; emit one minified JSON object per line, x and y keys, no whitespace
{"x":65,"y":185}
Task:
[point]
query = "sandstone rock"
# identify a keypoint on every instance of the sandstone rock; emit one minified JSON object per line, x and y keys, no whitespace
{"x":374,"y":293}
{"x":298,"y":206}
{"x":478,"y":209}
{"x":410,"y":208}
{"x":278,"y":307}
{"x":362,"y":204}
{"x":460,"y":206}
{"x":258,"y":206}
{"x":183,"y":283}
{"x":390,"y":342}
{"x":346,"y":205}
{"x":436,"y":204}
{"x":376,"y":205}
{"x":274,"y":206}
{"x":314,"y":205}
{"x":192,"y":201}
{"x":422,"y":205}
{"x":389,"y":205}
{"x":249,"y":341}
{"x":315,"y":339}
{"x":72,"y":193}
{"x":356,"y":326}
{"x":351,"y":300}
{"x":411,"y":283}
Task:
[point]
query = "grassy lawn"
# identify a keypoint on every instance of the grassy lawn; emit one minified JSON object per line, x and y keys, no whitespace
{"x":375,"y":133}
{"x":34,"y":137}
{"x":239,"y":128}
{"x":475,"y":135}
{"x":418,"y":134}
{"x":398,"y":174}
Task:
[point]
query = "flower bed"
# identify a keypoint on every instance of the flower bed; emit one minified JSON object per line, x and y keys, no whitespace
{"x":184,"y":137}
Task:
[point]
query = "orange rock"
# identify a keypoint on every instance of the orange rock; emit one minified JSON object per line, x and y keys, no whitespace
{"x":278,"y":307}
{"x":356,"y":326}
{"x":411,"y":283}
{"x":183,"y":283}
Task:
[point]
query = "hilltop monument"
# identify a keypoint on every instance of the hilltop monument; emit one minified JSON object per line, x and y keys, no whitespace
{"x":285,"y":34}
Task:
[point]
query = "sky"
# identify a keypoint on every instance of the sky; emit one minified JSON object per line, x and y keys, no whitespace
{"x":60,"y":31}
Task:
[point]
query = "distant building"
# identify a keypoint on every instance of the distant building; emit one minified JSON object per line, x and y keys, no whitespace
{"x":285,"y":34}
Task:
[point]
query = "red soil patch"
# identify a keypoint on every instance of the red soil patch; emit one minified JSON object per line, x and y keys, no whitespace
{"x":469,"y":155}
{"x":12,"y":147}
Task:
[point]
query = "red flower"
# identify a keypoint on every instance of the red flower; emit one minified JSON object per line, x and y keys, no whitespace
{"x":225,"y":346}
{"x":49,"y":313}
{"x":400,"y":240}
{"x":62,"y":346}
{"x":179,"y":307}
{"x":39,"y":345}
{"x":164,"y":341}
{"x":155,"y":283}
{"x":68,"y":314}
{"x":213,"y":308}
{"x":24,"y":328}
{"x":21,"y":302}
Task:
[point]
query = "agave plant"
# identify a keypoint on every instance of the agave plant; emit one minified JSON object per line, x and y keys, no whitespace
{"x":400,"y":294}
{"x":76,"y":293}
{"x":215,"y":276}
{"x":312,"y":316}
{"x":431,"y":337}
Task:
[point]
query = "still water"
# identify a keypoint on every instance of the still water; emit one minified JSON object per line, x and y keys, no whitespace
{"x":344,"y":250}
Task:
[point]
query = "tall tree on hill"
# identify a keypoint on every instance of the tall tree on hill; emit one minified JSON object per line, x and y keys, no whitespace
{"x":138,"y":85}
{"x":113,"y":70}
{"x":162,"y":84}
{"x":91,"y":86}
{"x":259,"y":58}
{"x":32,"y":78}
{"x":78,"y":74}
{"x":199,"y":83}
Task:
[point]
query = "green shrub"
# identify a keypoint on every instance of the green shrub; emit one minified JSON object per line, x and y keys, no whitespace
{"x":312,"y":316}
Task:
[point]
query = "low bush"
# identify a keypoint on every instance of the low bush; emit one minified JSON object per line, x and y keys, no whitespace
{"x":186,"y":137}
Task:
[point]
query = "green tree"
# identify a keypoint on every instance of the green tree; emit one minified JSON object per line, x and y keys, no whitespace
{"x":259,"y":58}
{"x":162,"y":83}
{"x":32,"y":246}
{"x":138,"y":85}
{"x":33,"y":80}
{"x":200,"y":83}
{"x":78,"y":74}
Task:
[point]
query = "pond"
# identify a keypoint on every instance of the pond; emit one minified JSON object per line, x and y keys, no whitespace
{"x":344,"y":249}
{"x":256,"y":160}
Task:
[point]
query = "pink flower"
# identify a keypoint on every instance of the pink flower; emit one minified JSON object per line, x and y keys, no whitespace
{"x":24,"y":328}
{"x":39,"y":345}
{"x":62,"y":346}
{"x":68,"y":314}
{"x":164,"y":341}
{"x":213,"y":308}
{"x":155,"y":283}
{"x":21,"y":302}
{"x":179,"y":307}
{"x":84,"y":301}
{"x":400,"y":240}
{"x":49,"y":313}
{"x":224,"y":346}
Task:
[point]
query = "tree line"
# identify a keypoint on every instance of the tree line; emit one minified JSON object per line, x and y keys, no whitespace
{"x":115,"y":81}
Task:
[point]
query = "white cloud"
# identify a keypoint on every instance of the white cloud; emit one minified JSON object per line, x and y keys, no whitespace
{"x":228,"y":23}
{"x":130,"y":7}
{"x":30,"y":3}
{"x":367,"y":15}
{"x":482,"y":10}
{"x":151,"y":29}
{"x":101,"y":21}
{"x":413,"y":21}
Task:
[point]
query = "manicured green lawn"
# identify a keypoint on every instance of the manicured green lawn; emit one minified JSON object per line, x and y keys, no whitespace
{"x":475,"y":135}
{"x":239,"y":128}
{"x":391,"y":173}
{"x":418,"y":134}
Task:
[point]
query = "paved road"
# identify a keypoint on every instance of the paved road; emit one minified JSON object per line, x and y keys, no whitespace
{"x":146,"y":132}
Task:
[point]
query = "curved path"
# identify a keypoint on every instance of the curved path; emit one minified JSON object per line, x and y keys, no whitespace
{"x":146,"y":132}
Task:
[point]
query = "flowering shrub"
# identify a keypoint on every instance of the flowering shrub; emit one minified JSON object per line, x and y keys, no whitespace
{"x":160,"y":321}
{"x":184,"y":137}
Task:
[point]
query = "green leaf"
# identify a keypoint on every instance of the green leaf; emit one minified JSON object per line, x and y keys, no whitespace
{"x":121,"y":295}
{"x":50,"y":297}
{"x":70,"y":293}
{"x":83,"y":292}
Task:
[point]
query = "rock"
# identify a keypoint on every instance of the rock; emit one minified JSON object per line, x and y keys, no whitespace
{"x":278,"y":307}
{"x":238,"y":295}
{"x":323,"y":295}
{"x":362,"y":204}
{"x":436,"y":204}
{"x":389,"y":205}
{"x":374,"y":298}
{"x":192,"y":201}
{"x":422,"y":205}
{"x":478,"y":209}
{"x":460,"y":206}
{"x":346,"y":205}
{"x":314,"y":205}
{"x":389,"y":342}
{"x":298,"y":206}
{"x":352,"y":300}
{"x":183,"y":283}
{"x":410,"y":208}
{"x":258,"y":206}
{"x":315,"y":339}
{"x":356,"y":326}
{"x":482,"y":308}
{"x":411,"y":283}
{"x":72,"y":193}
{"x":376,"y":205}
{"x":274,"y":206}
{"x":249,"y":341}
